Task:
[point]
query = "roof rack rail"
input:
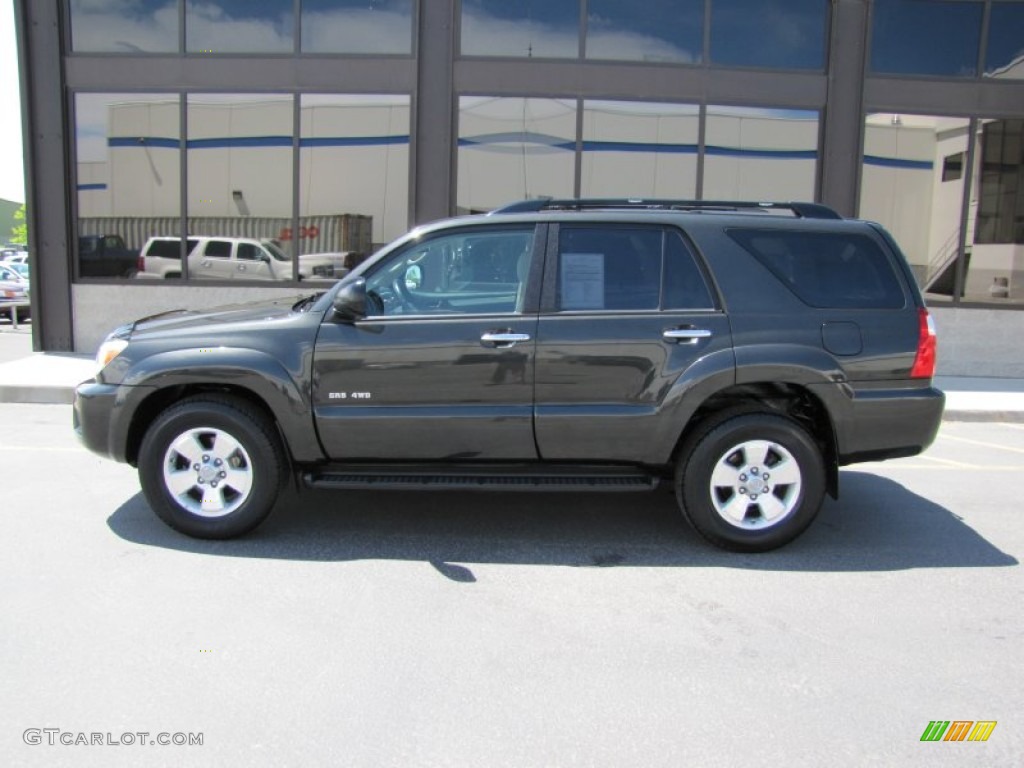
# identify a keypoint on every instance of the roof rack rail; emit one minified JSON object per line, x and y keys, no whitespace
{"x":801,"y":210}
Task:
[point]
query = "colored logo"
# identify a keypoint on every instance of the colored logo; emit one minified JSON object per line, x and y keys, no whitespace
{"x":958,"y":730}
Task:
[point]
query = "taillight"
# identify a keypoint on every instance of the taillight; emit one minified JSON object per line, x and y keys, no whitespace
{"x":924,"y":362}
{"x":140,"y":265}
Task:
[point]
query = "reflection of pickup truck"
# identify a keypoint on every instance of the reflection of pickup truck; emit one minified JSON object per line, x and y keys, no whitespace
{"x":105,"y":256}
{"x":234,"y":258}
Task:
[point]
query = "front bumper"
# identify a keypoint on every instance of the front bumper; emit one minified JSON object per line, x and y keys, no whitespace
{"x":94,"y":417}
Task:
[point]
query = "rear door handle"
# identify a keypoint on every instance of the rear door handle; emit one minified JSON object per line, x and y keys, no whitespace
{"x":685,"y":335}
{"x":503,"y":339}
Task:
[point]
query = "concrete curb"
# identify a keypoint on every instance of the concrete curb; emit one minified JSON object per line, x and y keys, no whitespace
{"x":36,"y":395}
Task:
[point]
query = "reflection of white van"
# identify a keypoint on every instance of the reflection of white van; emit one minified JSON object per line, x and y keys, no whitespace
{"x":234,"y":258}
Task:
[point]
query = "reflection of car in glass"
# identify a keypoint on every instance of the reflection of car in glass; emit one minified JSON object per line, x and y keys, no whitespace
{"x":14,"y":289}
{"x":234,"y":258}
{"x":105,"y":256}
{"x":739,"y":353}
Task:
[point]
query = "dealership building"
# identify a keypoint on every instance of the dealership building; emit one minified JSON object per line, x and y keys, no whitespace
{"x":335,"y":125}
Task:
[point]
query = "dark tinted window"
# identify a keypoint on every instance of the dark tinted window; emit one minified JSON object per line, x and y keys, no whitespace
{"x":609,"y":268}
{"x":653,"y":31}
{"x":169,"y":248}
{"x":926,"y":37}
{"x":826,"y":269}
{"x":622,"y":268}
{"x":1005,"y":52}
{"x":684,"y":284}
{"x":248,"y":251}
{"x":218,"y":249}
{"x":782,"y":35}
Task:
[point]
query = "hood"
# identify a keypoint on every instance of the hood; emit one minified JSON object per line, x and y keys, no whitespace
{"x":183,"y":320}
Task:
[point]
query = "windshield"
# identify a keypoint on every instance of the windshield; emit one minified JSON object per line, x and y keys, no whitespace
{"x":275,"y":250}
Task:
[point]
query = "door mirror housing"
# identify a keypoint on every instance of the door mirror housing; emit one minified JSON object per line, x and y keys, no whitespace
{"x":350,"y":301}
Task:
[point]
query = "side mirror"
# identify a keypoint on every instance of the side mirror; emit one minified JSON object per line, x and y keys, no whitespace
{"x":350,"y":301}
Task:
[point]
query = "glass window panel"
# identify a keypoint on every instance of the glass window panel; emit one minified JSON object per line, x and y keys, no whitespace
{"x":655,"y":30}
{"x":760,"y":154}
{"x":784,"y":34}
{"x":1004,"y":57}
{"x":639,"y":149}
{"x":926,"y":37}
{"x":902,"y":188}
{"x":615,"y":268}
{"x":357,"y":26}
{"x":240,"y":183}
{"x":128,"y":180}
{"x":240,"y":26}
{"x":354,"y":172}
{"x":529,"y":28}
{"x":513,"y":149}
{"x":467,"y":272}
{"x":124,"y":26}
{"x":995,"y":269}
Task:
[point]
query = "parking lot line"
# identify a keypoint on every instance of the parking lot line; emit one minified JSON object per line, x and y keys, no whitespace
{"x":983,"y":443}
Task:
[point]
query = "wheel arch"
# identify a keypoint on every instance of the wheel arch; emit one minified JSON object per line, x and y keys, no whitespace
{"x":249,"y":375}
{"x":793,"y":400}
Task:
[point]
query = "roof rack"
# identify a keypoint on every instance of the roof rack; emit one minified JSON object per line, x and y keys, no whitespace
{"x":801,"y":210}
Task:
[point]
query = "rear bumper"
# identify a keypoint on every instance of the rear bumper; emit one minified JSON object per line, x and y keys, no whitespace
{"x":880,"y":424}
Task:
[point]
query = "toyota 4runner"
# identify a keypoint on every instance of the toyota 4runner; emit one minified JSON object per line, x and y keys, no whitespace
{"x":740,"y":352}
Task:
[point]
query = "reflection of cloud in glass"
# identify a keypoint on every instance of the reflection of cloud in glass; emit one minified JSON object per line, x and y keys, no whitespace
{"x":487,"y":35}
{"x":124,"y":26}
{"x":654,"y":30}
{"x":211,"y":27}
{"x":369,"y":26}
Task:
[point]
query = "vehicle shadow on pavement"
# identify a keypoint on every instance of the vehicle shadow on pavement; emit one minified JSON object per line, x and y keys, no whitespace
{"x":877,"y":525}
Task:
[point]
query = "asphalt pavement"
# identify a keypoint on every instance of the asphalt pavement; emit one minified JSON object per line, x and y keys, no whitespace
{"x":459,"y":629}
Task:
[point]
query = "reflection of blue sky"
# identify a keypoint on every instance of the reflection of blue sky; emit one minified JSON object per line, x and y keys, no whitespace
{"x":1005,"y":37}
{"x":788,"y":34}
{"x":653,"y":30}
{"x":926,"y":37}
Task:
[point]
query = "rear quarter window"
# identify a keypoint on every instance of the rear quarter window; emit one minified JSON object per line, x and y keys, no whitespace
{"x":829,"y":270}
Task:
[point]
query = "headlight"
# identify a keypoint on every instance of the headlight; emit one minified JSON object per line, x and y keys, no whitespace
{"x":108,"y":350}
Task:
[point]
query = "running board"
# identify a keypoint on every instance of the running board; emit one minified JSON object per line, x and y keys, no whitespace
{"x":480,"y":479}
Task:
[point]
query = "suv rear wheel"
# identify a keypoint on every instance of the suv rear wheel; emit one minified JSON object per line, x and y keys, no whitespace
{"x":750,"y":482}
{"x":211,"y":467}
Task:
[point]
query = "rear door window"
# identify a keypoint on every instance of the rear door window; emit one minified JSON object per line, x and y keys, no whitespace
{"x":627,"y":268}
{"x":828,"y":270}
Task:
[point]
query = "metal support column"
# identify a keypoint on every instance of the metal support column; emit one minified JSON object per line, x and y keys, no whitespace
{"x":46,"y":172}
{"x":844,"y":118}
{"x":434,"y":114}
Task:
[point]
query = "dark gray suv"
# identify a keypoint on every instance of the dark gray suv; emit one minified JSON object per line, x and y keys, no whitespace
{"x":741,"y":352}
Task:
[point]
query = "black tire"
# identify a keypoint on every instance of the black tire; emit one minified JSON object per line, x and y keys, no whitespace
{"x":232,"y":481}
{"x":750,"y":482}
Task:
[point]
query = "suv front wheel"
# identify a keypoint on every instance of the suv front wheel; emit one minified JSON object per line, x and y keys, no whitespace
{"x":211,"y":467}
{"x":750,"y":482}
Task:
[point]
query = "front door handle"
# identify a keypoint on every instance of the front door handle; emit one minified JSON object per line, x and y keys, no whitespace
{"x":503,"y":339}
{"x":685,"y":335}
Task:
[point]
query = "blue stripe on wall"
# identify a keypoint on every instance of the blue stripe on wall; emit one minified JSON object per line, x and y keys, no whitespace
{"x":892,"y":162}
{"x":249,"y":142}
{"x":88,"y":187}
